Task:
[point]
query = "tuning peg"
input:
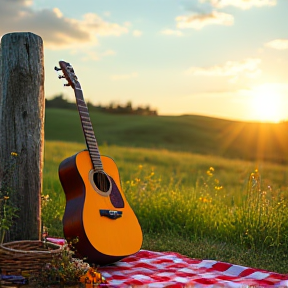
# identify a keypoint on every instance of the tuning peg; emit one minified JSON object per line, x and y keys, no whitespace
{"x":57,"y":69}
{"x":61,"y":76}
{"x":67,"y":84}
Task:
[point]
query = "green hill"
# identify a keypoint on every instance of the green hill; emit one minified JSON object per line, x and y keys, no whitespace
{"x":190,"y":133}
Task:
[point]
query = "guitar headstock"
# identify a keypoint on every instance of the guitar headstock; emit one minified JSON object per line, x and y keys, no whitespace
{"x":68,"y":74}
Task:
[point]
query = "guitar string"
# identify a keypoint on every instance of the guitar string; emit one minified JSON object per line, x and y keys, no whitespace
{"x":87,"y":125}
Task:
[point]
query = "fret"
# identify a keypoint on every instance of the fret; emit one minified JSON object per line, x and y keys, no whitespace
{"x":96,"y":161}
{"x":82,"y":106}
{"x":90,"y":144}
{"x":87,"y":133}
{"x":89,"y":128}
{"x":94,"y":153}
{"x":86,"y":122}
{"x":90,"y":133}
{"x":98,"y":168}
{"x":83,"y":112}
{"x":94,"y":150}
{"x":93,"y":139}
{"x":95,"y":158}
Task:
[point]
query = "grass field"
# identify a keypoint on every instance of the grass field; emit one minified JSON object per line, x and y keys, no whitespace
{"x":196,"y":134}
{"x":199,"y":186}
{"x":205,"y":207}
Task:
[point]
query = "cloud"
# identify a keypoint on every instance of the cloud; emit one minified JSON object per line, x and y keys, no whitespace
{"x":109,"y":53}
{"x":89,"y":53}
{"x":124,"y":76}
{"x":280,"y":44}
{"x":137,"y":33}
{"x":172,"y":32}
{"x":198,"y":21}
{"x":57,"y":31}
{"x":242,"y":4}
{"x":233,"y":69}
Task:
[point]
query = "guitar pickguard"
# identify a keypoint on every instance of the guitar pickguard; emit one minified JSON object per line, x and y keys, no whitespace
{"x":115,"y":196}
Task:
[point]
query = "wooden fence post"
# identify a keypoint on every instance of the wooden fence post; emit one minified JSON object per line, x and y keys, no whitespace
{"x":22,"y":129}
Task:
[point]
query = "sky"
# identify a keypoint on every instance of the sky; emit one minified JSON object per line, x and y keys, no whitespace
{"x":220,"y":58}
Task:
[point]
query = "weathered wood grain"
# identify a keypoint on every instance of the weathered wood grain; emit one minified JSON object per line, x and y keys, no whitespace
{"x":22,"y":128}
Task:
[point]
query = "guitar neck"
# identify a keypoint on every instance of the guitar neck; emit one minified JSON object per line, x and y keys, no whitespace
{"x":88,"y":131}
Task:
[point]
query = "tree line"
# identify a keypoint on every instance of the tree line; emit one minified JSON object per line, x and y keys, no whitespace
{"x":59,"y":101}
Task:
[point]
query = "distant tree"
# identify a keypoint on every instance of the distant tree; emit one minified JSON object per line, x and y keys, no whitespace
{"x":59,"y":101}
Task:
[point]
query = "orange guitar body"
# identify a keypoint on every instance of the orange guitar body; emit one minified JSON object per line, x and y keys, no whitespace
{"x":103,"y":238}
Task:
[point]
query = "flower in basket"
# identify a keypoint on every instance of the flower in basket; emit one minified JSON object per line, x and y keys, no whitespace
{"x":63,"y":269}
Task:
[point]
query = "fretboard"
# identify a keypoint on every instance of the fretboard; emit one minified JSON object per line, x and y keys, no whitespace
{"x":88,"y":131}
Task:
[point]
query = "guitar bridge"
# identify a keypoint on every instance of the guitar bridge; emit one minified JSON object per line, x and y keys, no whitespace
{"x":111,"y":214}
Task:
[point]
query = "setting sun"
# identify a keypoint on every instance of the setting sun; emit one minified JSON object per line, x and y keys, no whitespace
{"x":266,"y":103}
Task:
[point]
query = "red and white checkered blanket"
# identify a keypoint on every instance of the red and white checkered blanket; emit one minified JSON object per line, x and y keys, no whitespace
{"x":167,"y":269}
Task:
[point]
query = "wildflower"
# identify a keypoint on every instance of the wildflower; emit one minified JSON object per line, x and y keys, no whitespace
{"x":62,"y":268}
{"x":45,"y":198}
{"x":14,"y":154}
{"x":208,"y":172}
{"x":93,"y":277}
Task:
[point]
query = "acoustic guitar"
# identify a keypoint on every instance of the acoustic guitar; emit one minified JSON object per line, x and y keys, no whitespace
{"x":96,"y":212}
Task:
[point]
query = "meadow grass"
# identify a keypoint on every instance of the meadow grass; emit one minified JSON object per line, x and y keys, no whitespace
{"x":205,"y":207}
{"x":190,"y":133}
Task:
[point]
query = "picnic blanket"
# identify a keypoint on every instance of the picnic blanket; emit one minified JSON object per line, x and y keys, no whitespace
{"x":168,"y":269}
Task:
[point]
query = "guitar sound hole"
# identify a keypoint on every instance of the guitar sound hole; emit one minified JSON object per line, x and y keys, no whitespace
{"x":101,"y":181}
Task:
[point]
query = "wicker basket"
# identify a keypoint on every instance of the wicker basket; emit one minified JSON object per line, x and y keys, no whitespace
{"x":26,"y":256}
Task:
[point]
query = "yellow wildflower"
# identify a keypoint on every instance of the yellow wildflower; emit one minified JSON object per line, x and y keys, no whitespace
{"x":209,"y":173}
